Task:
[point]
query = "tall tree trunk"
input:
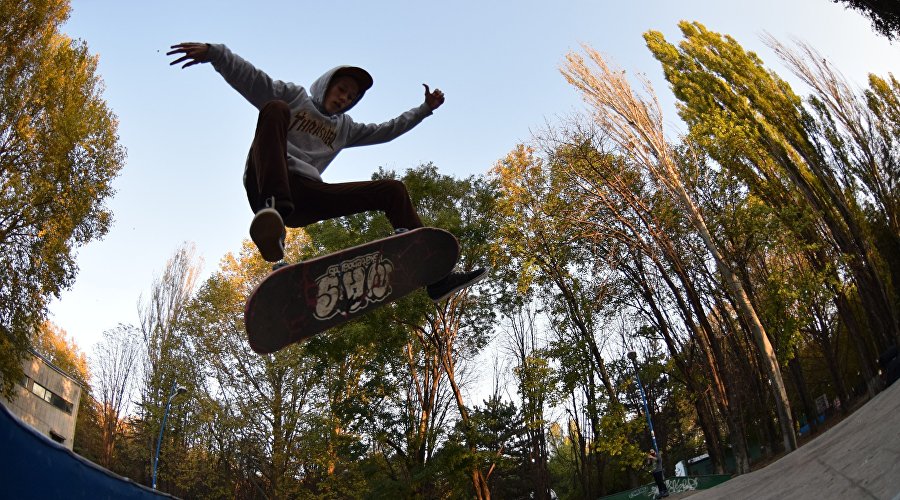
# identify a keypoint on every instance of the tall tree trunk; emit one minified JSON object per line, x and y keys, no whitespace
{"x":707,"y":421}
{"x":864,"y":354}
{"x":540,"y":475}
{"x":809,"y":406}
{"x":523,"y":345}
{"x":745,"y":308}
{"x":636,"y":126}
{"x":580,"y":453}
{"x":479,"y":481}
{"x":705,"y":414}
{"x":837,"y":379}
{"x":593,"y":413}
{"x":575,"y":314}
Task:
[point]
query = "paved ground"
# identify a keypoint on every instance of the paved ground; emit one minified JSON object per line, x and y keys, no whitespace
{"x":858,"y":458}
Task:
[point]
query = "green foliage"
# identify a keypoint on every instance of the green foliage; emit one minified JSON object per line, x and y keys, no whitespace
{"x":883,"y":100}
{"x":55,"y":344}
{"x":491,"y":440}
{"x":263,"y":398}
{"x":569,"y":220}
{"x":731,"y":103}
{"x":792,"y":157}
{"x":335,"y":417}
{"x":58,"y":156}
{"x":882,"y":13}
{"x":576,"y":227}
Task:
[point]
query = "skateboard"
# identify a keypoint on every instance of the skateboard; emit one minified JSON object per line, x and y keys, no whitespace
{"x":300,"y":300}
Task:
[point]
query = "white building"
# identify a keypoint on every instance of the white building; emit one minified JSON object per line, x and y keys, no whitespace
{"x":47,"y":399}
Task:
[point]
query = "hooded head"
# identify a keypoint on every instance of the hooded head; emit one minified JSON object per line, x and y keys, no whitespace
{"x":340,"y":86}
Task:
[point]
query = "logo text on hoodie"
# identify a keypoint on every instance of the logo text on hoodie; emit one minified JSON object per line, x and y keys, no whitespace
{"x":303,"y":122}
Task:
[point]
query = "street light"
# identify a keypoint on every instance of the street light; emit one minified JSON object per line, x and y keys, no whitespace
{"x":176,"y":390}
{"x":633,"y":357}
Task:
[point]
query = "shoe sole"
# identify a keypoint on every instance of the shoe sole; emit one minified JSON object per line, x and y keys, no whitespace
{"x":265,"y":231}
{"x":461,"y":286}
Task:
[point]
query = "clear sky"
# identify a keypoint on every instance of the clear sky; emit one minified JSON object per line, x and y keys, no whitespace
{"x":187,"y":132}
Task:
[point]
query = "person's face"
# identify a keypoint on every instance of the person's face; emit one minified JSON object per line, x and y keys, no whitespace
{"x":341,"y":94}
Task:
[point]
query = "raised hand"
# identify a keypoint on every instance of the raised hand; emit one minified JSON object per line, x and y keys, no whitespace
{"x":194,"y":53}
{"x":433,"y":99}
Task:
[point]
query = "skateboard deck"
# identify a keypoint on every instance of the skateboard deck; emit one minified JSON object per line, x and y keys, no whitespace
{"x":300,"y":300}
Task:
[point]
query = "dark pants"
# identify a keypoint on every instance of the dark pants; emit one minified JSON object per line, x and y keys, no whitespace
{"x":660,"y":482}
{"x":303,"y":201}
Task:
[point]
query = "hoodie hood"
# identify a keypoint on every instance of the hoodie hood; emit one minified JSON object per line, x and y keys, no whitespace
{"x":320,"y":86}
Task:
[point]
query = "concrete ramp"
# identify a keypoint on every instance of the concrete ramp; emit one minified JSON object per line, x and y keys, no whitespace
{"x":857,"y":458}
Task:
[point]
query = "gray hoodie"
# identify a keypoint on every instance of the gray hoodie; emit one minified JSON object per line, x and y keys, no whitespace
{"x":314,"y":137}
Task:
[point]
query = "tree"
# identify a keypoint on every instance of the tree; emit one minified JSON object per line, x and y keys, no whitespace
{"x":862,"y":133}
{"x":545,"y":242}
{"x":116,"y":359}
{"x":496,"y":431}
{"x":538,"y":206}
{"x":261,"y":405}
{"x":883,"y":13}
{"x":457,"y":329}
{"x":356,"y":409}
{"x":54,"y":344}
{"x":883,"y":99}
{"x":165,"y":359}
{"x":59,"y":153}
{"x":636,"y":126}
{"x":401,"y":390}
{"x":161,"y":312}
{"x":655,"y":263}
{"x":534,"y":385}
{"x":754,"y":126}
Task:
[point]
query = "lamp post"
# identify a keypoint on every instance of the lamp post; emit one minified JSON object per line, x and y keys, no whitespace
{"x":176,"y":390}
{"x":633,"y":357}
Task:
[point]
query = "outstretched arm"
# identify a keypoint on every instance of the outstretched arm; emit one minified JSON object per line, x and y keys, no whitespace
{"x":255,"y":85}
{"x":364,"y":135}
{"x":194,"y":53}
{"x":433,"y":99}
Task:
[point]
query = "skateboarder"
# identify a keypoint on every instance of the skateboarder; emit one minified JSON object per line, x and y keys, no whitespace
{"x":298,"y":134}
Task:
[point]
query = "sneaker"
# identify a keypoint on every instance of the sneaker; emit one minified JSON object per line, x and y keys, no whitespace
{"x":267,"y":232}
{"x":454,"y":282}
